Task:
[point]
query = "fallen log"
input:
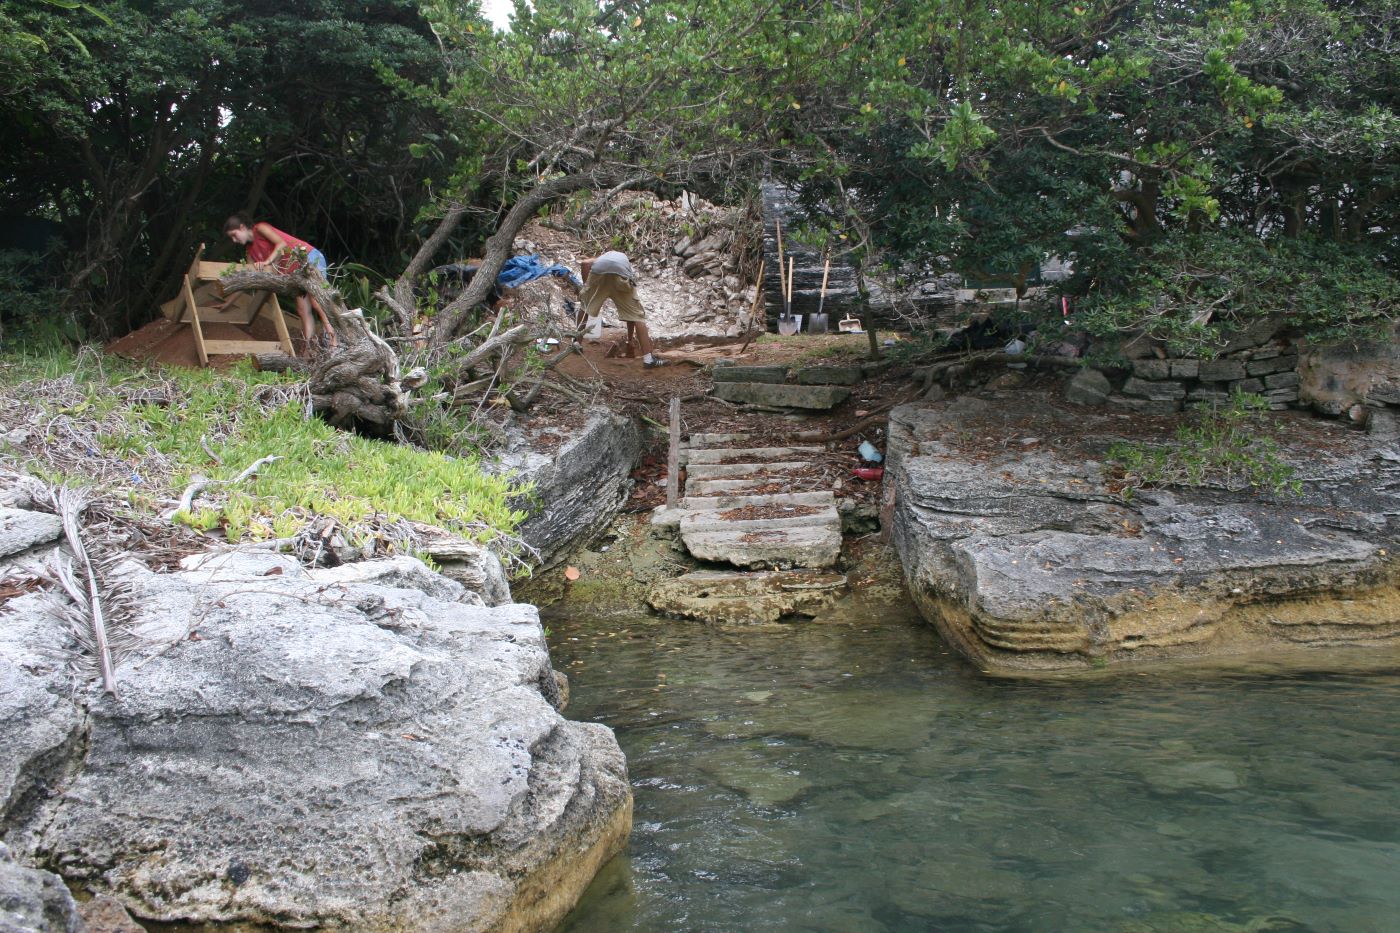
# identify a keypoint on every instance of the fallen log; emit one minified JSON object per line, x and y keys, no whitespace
{"x":354,"y":385}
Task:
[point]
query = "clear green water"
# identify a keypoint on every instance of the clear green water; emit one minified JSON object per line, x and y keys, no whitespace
{"x":861,"y":778}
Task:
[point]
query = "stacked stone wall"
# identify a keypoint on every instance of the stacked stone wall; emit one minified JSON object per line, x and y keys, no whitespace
{"x":1163,"y":386}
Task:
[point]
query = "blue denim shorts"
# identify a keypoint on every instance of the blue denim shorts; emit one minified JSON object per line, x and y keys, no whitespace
{"x":316,"y":259}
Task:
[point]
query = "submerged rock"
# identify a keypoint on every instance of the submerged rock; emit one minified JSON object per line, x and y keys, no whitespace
{"x":1025,"y":559}
{"x":358,"y":749}
{"x":733,"y":598}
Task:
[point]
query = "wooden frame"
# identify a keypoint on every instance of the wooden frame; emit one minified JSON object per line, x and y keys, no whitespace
{"x":194,"y":306}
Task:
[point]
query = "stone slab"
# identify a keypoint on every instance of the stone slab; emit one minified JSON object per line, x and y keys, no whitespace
{"x":1152,"y":369}
{"x":768,"y":375}
{"x":709,"y":520}
{"x":810,"y":398}
{"x":1088,"y":387}
{"x":1264,"y":367}
{"x":717,"y":440}
{"x":746,"y":470}
{"x":1220,"y":370}
{"x":814,"y":548}
{"x":730,"y":455}
{"x":746,"y":598}
{"x":1146,"y":406}
{"x":828,"y":376}
{"x":1154,"y":390}
{"x":703,"y":503}
{"x":1185,"y":369}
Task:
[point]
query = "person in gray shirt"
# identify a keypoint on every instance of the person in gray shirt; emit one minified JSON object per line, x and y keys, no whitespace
{"x":610,"y":275}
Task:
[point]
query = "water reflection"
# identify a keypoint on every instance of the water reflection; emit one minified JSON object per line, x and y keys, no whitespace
{"x":860,"y":778}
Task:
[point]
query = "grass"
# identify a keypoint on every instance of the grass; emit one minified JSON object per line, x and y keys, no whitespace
{"x":144,"y":436}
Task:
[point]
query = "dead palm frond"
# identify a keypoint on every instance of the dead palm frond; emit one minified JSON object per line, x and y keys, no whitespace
{"x":100,"y":611}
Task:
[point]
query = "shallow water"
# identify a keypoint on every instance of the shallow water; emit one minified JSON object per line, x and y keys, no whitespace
{"x":859,"y":777}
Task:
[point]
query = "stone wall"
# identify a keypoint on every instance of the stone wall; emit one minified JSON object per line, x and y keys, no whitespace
{"x":1162,"y":386}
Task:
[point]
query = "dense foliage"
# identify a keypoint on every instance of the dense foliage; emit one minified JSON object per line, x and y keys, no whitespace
{"x":1204,"y":164}
{"x":129,"y":129}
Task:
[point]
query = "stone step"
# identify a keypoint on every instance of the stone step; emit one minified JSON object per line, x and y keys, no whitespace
{"x":749,"y":374}
{"x":733,"y":597}
{"x":738,"y":487}
{"x":708,"y":520}
{"x":703,"y":503}
{"x":751,"y":454}
{"x":735,"y":470}
{"x":813,"y":547}
{"x":814,"y":398}
{"x":717,"y":440}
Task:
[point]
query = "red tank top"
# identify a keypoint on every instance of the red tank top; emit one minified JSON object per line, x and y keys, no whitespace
{"x":261,"y":248}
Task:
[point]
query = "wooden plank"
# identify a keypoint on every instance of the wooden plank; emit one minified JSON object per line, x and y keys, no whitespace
{"x":210,"y":271}
{"x":241,"y":347}
{"x":673,"y":456}
{"x":279,"y":321}
{"x":193,"y":310}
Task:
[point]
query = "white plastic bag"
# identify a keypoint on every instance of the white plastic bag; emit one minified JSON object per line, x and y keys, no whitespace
{"x":594,"y":329}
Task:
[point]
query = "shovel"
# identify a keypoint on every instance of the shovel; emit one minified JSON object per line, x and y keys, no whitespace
{"x":816,"y":324}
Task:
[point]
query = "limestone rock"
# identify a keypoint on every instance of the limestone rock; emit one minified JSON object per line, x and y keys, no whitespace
{"x":1154,"y":390}
{"x":733,"y":373}
{"x":815,"y":398}
{"x":336,"y":749}
{"x":41,"y":725}
{"x":21,"y":530}
{"x":33,"y":901}
{"x":829,"y":376}
{"x":578,"y":488}
{"x":1088,"y":387}
{"x":105,"y":914}
{"x":1029,"y":562}
{"x":729,"y":598}
{"x":1220,"y":370}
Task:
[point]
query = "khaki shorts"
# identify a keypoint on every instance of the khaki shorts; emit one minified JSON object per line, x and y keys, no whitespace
{"x":604,"y":285}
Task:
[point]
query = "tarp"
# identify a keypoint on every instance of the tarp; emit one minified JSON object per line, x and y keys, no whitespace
{"x":521,"y":269}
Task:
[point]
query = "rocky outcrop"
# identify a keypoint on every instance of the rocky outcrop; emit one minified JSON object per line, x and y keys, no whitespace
{"x":579,"y":486}
{"x":726,"y":597}
{"x":33,"y":901}
{"x":365,"y":748}
{"x":1024,"y":558}
{"x":1349,"y":378}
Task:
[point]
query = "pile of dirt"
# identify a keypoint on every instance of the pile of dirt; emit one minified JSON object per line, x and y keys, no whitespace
{"x":172,"y":344}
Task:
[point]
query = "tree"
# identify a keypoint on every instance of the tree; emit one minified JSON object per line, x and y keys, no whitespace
{"x":579,"y":97}
{"x":140,"y":125}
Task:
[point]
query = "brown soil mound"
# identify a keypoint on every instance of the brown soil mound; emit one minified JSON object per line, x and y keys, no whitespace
{"x":172,"y":344}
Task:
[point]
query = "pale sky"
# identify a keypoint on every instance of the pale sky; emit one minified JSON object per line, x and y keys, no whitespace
{"x":498,"y":11}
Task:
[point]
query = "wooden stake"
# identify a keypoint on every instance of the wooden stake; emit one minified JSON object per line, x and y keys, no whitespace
{"x":673,"y":456}
{"x":757,"y":302}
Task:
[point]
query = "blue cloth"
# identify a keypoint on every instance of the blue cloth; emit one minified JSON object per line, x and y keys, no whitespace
{"x":521,"y":269}
{"x":317,"y":259}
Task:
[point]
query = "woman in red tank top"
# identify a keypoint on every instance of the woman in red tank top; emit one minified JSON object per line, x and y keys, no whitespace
{"x":266,"y":247}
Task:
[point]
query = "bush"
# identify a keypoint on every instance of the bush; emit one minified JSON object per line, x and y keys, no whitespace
{"x":1195,"y":291}
{"x":1229,"y":446}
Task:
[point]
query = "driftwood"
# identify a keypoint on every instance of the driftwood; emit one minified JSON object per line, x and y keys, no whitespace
{"x":281,"y":363}
{"x":356,"y":385}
